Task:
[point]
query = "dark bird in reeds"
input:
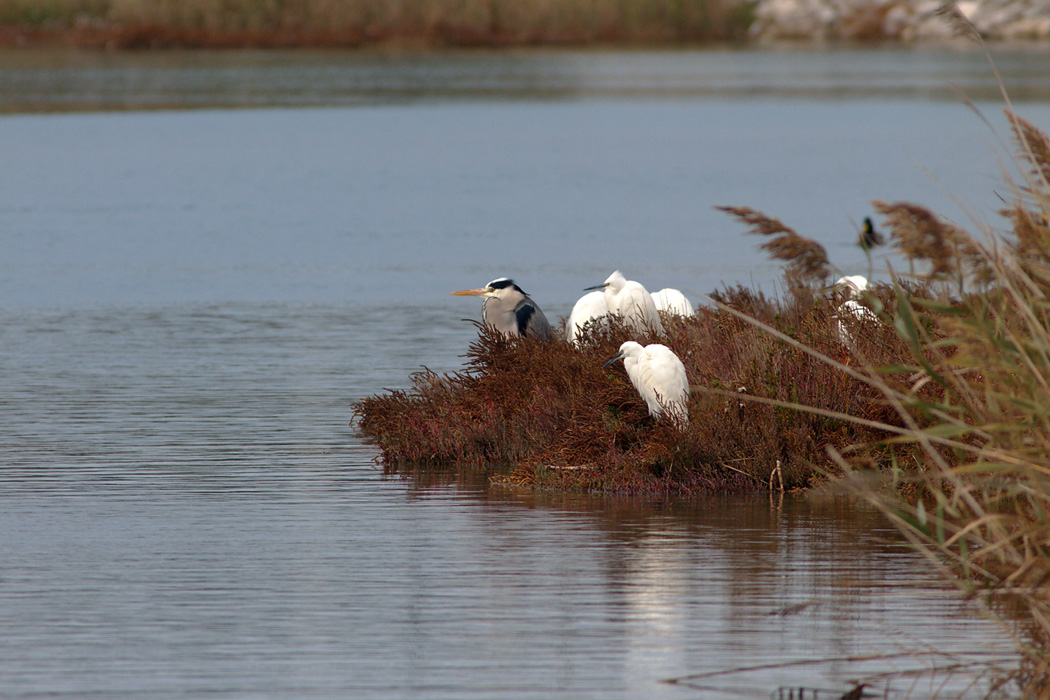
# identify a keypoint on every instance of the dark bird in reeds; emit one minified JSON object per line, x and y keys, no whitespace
{"x":508,"y":309}
{"x":659,"y":376}
{"x":868,"y":237}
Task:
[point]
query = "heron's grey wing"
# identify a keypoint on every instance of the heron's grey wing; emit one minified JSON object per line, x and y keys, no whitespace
{"x":531,"y":320}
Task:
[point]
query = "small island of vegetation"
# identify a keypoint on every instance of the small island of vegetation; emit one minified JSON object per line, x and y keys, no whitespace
{"x":936,"y":409}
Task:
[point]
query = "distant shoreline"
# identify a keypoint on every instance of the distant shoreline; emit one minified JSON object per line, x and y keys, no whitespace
{"x":227,"y":24}
{"x":137,"y":38}
{"x":437,"y":24}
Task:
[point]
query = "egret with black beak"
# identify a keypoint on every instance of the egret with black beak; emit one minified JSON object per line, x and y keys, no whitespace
{"x":659,"y":376}
{"x":630,"y":300}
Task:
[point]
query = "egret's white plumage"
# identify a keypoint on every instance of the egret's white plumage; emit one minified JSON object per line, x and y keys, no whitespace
{"x":854,"y":284}
{"x":508,"y":309}
{"x":659,"y":376}
{"x":673,"y":302}
{"x":851,"y":311}
{"x":590,"y":308}
{"x":630,"y":300}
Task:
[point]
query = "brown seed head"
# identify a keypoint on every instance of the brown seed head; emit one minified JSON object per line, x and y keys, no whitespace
{"x":1034,"y":148}
{"x":806,"y":259}
{"x":922,"y":236}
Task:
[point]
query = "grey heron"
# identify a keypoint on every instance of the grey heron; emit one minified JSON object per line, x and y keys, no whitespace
{"x":591,"y":307}
{"x":659,"y":376}
{"x":508,"y":309}
{"x":631,"y":301}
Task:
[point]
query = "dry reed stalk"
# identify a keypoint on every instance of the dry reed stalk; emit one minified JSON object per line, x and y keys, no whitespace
{"x":1034,"y":147}
{"x":958,"y":22}
{"x":970,"y":478}
{"x":983,"y":516}
{"x":807,"y":260}
{"x":922,"y":236}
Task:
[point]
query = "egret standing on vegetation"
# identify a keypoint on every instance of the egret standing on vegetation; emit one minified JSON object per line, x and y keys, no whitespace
{"x":673,"y":302}
{"x":591,"y":307}
{"x":659,"y":376}
{"x":509,"y":310}
{"x":851,"y":310}
{"x":630,"y":300}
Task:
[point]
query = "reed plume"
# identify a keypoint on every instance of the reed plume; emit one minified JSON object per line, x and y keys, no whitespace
{"x":922,"y":236}
{"x":1034,"y":149}
{"x":806,"y":260}
{"x":958,"y":22}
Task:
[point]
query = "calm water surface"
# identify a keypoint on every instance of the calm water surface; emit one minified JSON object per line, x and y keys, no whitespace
{"x":190,"y":302}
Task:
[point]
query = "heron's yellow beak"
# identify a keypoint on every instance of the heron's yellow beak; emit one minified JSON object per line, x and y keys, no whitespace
{"x":471,"y":292}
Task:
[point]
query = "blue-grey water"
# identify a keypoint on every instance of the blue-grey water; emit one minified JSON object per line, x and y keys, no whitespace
{"x":192,"y":299}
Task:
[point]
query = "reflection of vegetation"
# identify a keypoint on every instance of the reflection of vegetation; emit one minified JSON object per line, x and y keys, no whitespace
{"x":145,"y":23}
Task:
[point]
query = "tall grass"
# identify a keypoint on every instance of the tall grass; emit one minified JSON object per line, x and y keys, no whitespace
{"x":962,"y":464}
{"x":970,"y":479}
{"x":974,"y":491}
{"x":137,"y":23}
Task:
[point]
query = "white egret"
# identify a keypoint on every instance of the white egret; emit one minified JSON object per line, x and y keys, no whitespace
{"x":659,"y":376}
{"x":508,"y":309}
{"x":672,"y":301}
{"x":851,"y":311}
{"x":629,"y":300}
{"x":853,"y":284}
{"x":590,"y":308}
